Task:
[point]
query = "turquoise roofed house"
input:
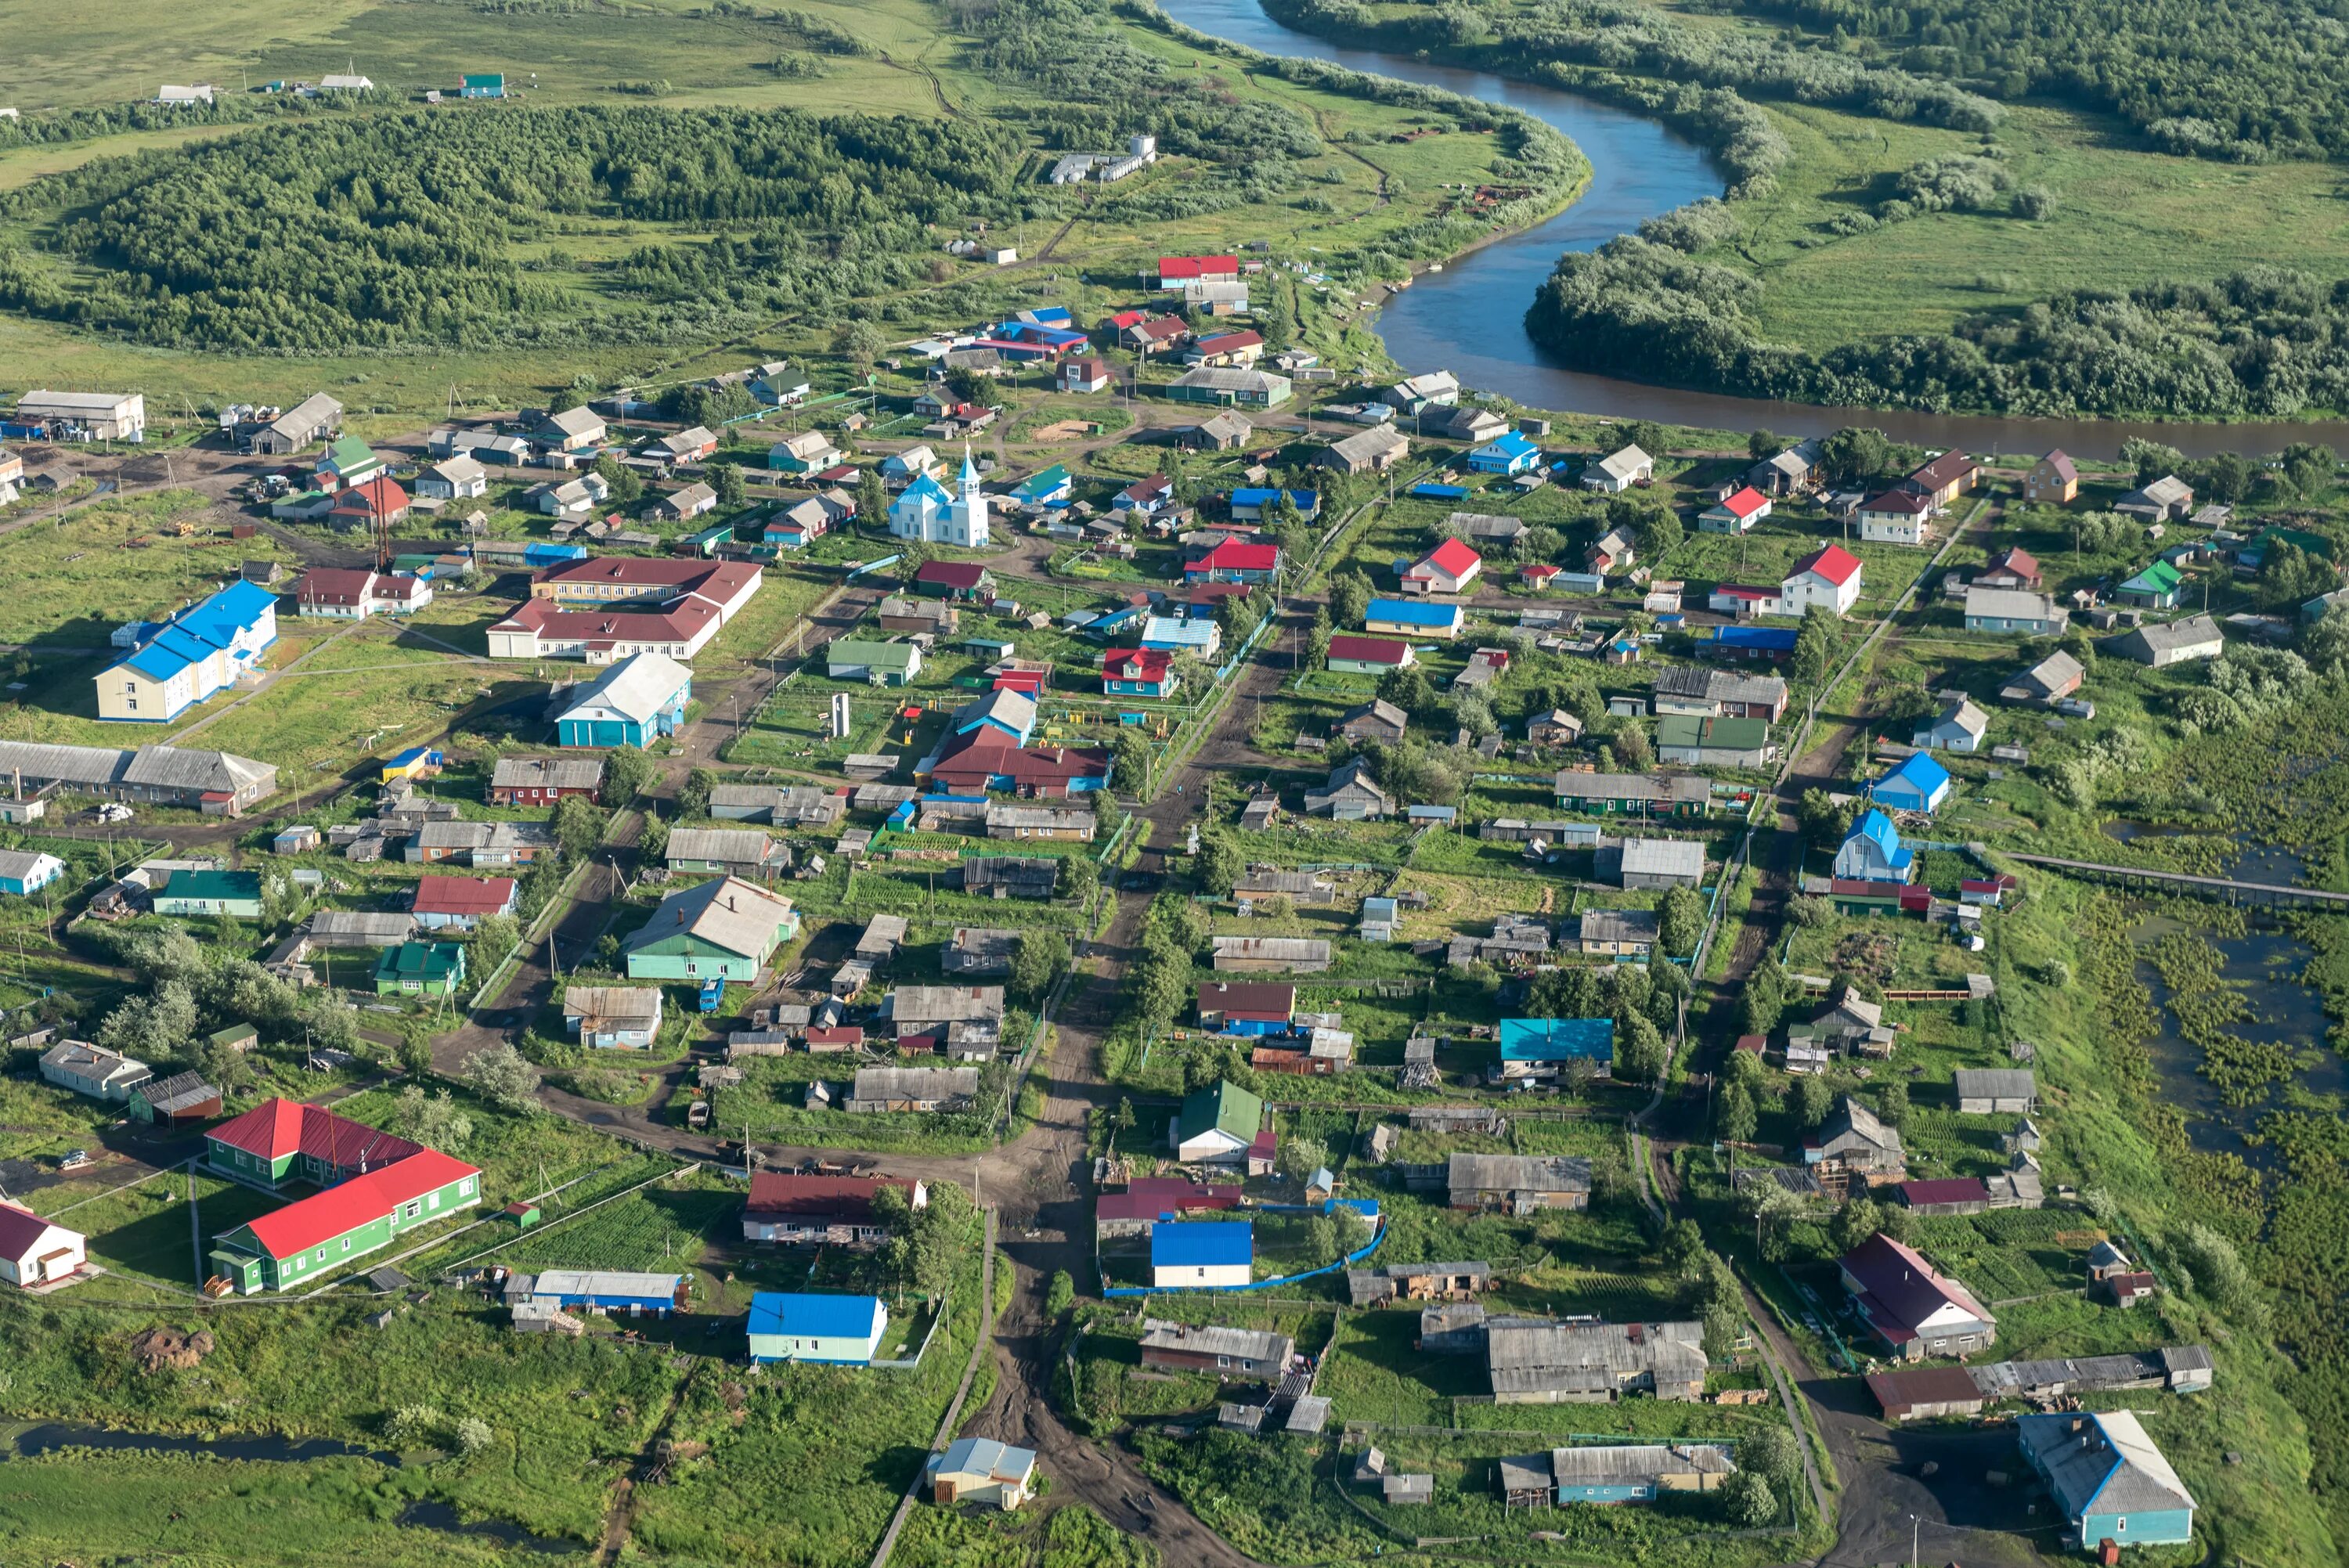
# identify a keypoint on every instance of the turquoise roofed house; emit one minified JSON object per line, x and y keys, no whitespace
{"x":1872,"y":851}
{"x":483,"y":85}
{"x":1536,"y":1050}
{"x":2155,"y":588}
{"x":827,"y":1330}
{"x":1508,"y":454}
{"x":1049,"y":487}
{"x":1919,"y":784}
{"x":210,"y":894}
{"x":2111,"y":1482}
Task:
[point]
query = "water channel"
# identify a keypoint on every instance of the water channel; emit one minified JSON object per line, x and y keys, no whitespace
{"x":1469,"y":317}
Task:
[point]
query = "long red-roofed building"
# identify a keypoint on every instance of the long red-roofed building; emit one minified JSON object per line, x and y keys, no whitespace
{"x":606,"y":610}
{"x":377,"y":1187}
{"x":836,"y":1210}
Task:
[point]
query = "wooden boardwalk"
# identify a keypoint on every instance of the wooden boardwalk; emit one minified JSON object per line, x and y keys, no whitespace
{"x":2261,"y":895}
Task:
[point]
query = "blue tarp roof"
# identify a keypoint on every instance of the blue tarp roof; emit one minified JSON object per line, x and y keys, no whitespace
{"x":1201,"y":1244}
{"x":815,"y":1317}
{"x":1306,"y":499}
{"x":1413,"y":613}
{"x":1435,"y":491}
{"x":1765,"y":637}
{"x":1554,"y":1039}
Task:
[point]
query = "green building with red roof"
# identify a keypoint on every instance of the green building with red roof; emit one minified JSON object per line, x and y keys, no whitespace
{"x":373,"y":1187}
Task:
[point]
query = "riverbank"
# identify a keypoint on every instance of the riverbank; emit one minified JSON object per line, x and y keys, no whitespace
{"x":1927,"y":270}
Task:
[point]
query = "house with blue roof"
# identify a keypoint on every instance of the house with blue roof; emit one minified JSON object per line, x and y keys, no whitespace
{"x":1919,"y":784}
{"x":1539,"y":1048}
{"x":201,"y":651}
{"x":2111,"y":1482}
{"x":1248,"y":504}
{"x":1200,"y":638}
{"x":1201,"y":1254}
{"x":1508,"y":454}
{"x":1872,"y":851}
{"x":827,"y":1330}
{"x":1755,"y":642}
{"x":1413,"y":618}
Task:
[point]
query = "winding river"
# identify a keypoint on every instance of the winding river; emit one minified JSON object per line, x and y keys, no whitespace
{"x":1468,"y":318}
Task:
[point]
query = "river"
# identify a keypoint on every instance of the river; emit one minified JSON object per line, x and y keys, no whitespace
{"x":1469,"y":317}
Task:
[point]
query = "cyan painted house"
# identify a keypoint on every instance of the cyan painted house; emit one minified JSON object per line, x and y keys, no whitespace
{"x":28,"y":870}
{"x":830,"y":1330}
{"x":634,"y":703}
{"x":2110,"y":1480}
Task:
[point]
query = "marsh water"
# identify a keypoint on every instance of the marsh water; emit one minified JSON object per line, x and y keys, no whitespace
{"x":1469,"y":318}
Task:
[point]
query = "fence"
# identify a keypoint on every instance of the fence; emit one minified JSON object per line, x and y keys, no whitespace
{"x":945,"y":1310}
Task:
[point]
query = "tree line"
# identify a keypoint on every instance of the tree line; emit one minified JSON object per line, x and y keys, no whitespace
{"x":2247,"y":80}
{"x":395,"y":231}
{"x":2268,"y":342}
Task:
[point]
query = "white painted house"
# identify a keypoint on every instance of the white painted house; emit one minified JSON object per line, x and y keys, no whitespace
{"x":34,"y":1252}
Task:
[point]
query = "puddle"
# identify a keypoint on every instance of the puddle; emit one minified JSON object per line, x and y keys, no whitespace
{"x":49,"y":1437}
{"x":2282,"y":1010}
{"x":439,"y":1516}
{"x":2275,"y":865}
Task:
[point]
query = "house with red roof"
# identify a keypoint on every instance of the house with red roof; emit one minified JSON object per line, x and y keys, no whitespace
{"x":1450,"y":568}
{"x":375,"y":1188}
{"x":1897,"y":517}
{"x":1914,"y":1310}
{"x":38,"y":1252}
{"x":1537,"y":574}
{"x":1173,"y":271}
{"x":460,"y":903}
{"x":822,"y":1211}
{"x":1734,"y":513}
{"x":1149,"y":335}
{"x":1138,"y":671}
{"x":986,"y":759}
{"x":1235,"y":560}
{"x":1090,"y":374}
{"x":377,"y":500}
{"x":1369,"y":656}
{"x":1829,"y":578}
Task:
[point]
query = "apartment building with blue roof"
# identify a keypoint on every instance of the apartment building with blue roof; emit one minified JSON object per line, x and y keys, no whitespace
{"x":199,"y":652}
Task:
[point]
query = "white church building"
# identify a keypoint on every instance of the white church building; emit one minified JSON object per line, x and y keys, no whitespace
{"x":926,"y":512}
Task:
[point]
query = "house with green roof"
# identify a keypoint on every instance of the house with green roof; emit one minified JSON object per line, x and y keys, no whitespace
{"x":2155,"y":588}
{"x":882,"y":664}
{"x":1225,"y":1125}
{"x":420,"y":968}
{"x":211,"y":892}
{"x":347,"y":463}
